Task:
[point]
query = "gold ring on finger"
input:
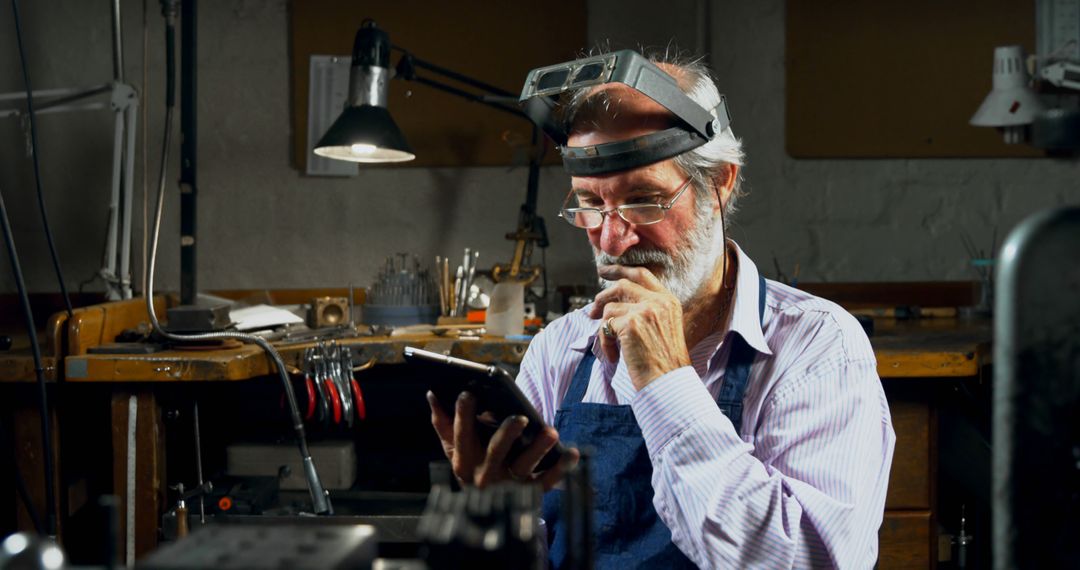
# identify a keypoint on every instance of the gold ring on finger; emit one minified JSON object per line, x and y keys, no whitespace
{"x":607,"y":328}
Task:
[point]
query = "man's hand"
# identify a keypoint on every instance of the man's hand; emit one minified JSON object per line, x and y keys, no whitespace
{"x":646,"y":319}
{"x":480,"y":463}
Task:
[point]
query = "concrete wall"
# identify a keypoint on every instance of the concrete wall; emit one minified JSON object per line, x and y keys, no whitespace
{"x":262,"y":224}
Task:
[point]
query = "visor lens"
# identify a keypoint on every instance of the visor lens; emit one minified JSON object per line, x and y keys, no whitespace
{"x":553,"y":79}
{"x":589,"y":72}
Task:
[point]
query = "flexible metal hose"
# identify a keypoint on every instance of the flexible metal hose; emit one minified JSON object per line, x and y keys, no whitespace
{"x":319,"y":499}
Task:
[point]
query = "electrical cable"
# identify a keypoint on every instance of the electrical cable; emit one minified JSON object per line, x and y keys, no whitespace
{"x":319,"y":498}
{"x":39,"y":372}
{"x":34,"y":157}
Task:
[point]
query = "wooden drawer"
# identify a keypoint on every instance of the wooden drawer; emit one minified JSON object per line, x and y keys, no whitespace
{"x":904,"y":540}
{"x":911,"y":473}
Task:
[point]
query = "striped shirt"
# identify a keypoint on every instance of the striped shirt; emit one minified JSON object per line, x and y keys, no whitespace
{"x":804,"y":486}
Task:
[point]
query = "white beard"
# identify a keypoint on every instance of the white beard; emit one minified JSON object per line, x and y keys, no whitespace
{"x":685,"y":271}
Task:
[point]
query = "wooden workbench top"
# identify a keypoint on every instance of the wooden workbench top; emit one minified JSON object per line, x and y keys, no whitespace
{"x":916,"y":348}
{"x":17,"y":365}
{"x":904,"y":348}
{"x":927,"y":348}
{"x":249,"y":361}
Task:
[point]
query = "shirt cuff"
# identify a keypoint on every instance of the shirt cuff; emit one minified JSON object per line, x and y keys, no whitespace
{"x":672,"y":403}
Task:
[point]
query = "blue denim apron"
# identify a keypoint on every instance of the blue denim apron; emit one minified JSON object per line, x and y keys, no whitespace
{"x":627,"y":531}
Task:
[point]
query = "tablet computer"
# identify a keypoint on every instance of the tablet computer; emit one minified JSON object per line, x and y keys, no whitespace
{"x":497,"y":398}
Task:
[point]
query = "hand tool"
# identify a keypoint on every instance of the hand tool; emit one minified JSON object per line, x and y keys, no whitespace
{"x":442,"y":289}
{"x":459,"y":278}
{"x":334,"y":398}
{"x":325,"y":409}
{"x":198,"y":462}
{"x":446,"y":285}
{"x":469,"y":283}
{"x":309,"y":386}
{"x":361,"y":407}
{"x":341,"y":384}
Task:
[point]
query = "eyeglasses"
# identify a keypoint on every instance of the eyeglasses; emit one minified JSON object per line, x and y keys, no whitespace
{"x":637,"y":214}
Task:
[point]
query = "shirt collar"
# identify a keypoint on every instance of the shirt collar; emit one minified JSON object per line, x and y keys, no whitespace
{"x":745,"y":318}
{"x":588,"y":336}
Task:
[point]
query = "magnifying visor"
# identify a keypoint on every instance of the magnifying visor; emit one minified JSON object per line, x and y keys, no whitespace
{"x":695,"y":127}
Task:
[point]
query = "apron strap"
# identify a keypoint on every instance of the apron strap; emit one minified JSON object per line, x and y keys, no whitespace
{"x":580,"y":381}
{"x":737,"y":373}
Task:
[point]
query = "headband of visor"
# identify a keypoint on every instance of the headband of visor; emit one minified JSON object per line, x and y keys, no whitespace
{"x":695,"y":126}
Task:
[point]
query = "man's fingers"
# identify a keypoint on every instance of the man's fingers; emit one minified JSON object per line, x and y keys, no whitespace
{"x":467,"y":451}
{"x":552,"y":476}
{"x":493,"y":468}
{"x":526,"y":463}
{"x":637,"y":274}
{"x":440,"y":420}
{"x":504,"y":438}
{"x":611,"y":321}
{"x":623,"y":291}
{"x":609,"y":347}
{"x":611,"y":311}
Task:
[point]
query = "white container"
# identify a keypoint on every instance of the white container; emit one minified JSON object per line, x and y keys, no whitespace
{"x":506,"y":312}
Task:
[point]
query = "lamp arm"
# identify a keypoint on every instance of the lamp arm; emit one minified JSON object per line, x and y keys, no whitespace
{"x":1062,"y":74}
{"x":469,"y":96}
{"x":459,"y":77}
{"x":530,"y":228}
{"x":408,"y":64}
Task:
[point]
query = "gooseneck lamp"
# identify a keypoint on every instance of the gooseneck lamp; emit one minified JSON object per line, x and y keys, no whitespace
{"x":365,"y":131}
{"x":1011,"y":105}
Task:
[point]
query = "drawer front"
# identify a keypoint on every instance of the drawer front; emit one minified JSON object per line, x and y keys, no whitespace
{"x":910,"y":476}
{"x":904,"y":540}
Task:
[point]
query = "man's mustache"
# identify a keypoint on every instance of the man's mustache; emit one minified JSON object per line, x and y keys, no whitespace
{"x":633,"y":257}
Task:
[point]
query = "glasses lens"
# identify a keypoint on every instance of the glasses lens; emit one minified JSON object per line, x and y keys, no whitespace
{"x":642,"y":213}
{"x":589,"y":72}
{"x":586,"y":218}
{"x":552,"y":79}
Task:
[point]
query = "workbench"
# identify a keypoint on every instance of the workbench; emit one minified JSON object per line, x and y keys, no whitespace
{"x":915,"y":358}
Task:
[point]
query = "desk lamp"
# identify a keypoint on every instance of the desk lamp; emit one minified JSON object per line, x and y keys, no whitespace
{"x":365,"y":132}
{"x":1014,"y":107}
{"x":1011,"y":105}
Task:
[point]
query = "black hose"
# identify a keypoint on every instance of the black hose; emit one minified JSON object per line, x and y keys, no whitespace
{"x":39,"y":372}
{"x":34,"y":157}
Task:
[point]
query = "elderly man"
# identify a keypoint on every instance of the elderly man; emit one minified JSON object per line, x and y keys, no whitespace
{"x":737,"y":422}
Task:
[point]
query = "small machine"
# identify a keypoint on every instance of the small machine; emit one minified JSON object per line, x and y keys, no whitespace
{"x":270,"y":543}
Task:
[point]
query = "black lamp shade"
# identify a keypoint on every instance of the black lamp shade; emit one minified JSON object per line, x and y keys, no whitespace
{"x":365,"y":134}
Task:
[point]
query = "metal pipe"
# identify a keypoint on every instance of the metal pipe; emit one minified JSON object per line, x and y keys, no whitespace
{"x":109,"y":263}
{"x":118,"y":46}
{"x":188,"y":138}
{"x":458,"y":76}
{"x":470,"y":96}
{"x":63,"y":95}
{"x":130,"y":118}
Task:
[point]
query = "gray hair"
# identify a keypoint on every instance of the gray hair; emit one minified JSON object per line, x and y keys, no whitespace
{"x":702,"y":164}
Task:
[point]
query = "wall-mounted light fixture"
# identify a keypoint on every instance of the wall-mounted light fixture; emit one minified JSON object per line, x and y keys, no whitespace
{"x":1011,"y":105}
